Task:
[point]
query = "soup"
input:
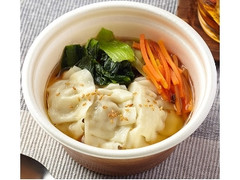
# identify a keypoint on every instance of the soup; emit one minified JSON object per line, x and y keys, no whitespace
{"x":119,"y":94}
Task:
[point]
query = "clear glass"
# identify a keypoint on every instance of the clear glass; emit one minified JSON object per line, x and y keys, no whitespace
{"x":209,"y":17}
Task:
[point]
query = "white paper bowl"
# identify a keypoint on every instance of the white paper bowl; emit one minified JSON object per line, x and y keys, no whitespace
{"x":125,"y":19}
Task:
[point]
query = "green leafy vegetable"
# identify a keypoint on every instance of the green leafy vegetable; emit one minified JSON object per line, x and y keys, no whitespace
{"x":87,"y":62}
{"x":105,"y":35}
{"x":92,"y":48}
{"x":114,"y":72}
{"x":107,"y":59}
{"x":118,"y":51}
{"x":71,"y":55}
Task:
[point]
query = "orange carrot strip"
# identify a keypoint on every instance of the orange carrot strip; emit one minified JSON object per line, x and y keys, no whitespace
{"x":164,"y":63}
{"x":151,"y":45}
{"x":146,"y":59}
{"x":180,"y":70}
{"x":151,"y":77}
{"x":160,"y":67}
{"x":163,"y":92}
{"x":166,"y":95}
{"x":163,"y":70}
{"x":174,"y":78}
{"x":136,"y":45}
{"x":151,"y":57}
{"x":185,"y":73}
{"x":153,"y":61}
{"x":172,"y":65}
{"x":175,"y":59}
{"x":158,"y":62}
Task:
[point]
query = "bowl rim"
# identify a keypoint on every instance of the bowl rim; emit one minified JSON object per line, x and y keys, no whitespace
{"x":129,"y":153}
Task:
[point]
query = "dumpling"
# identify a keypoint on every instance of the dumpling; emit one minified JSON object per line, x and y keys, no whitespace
{"x":112,"y":117}
{"x":73,"y":129}
{"x":109,"y":120}
{"x":150,"y":117}
{"x":69,"y":99}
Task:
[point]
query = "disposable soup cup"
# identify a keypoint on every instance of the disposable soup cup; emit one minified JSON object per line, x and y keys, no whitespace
{"x":125,"y":19}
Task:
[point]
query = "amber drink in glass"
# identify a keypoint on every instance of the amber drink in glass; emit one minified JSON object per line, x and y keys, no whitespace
{"x":209,"y":15}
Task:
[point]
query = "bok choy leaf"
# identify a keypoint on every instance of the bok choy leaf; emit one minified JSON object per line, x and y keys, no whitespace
{"x":118,"y":51}
{"x":71,"y":55}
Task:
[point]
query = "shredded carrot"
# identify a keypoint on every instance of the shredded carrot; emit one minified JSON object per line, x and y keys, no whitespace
{"x":174,"y":79}
{"x":146,"y":59}
{"x":172,"y":65}
{"x":164,"y":63}
{"x":185,"y":73}
{"x":153,"y":61}
{"x":166,"y":95}
{"x":161,"y":68}
{"x":136,"y":45}
{"x":180,"y":70}
{"x":151,"y":45}
{"x":166,"y":72}
{"x":158,"y":62}
{"x":151,"y":77}
{"x":175,"y":59}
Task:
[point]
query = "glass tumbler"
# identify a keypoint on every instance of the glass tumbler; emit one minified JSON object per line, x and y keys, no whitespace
{"x":209,"y":17}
